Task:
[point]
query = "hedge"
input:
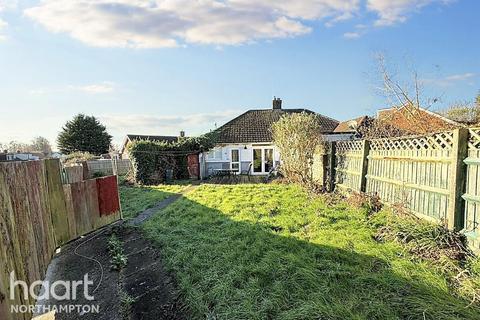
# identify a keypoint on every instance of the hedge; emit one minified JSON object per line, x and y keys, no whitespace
{"x":152,"y":159}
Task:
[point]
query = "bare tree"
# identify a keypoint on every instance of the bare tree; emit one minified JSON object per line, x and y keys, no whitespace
{"x":463,"y":112}
{"x":407,"y":97}
{"x":15,"y":146}
{"x":41,"y":144}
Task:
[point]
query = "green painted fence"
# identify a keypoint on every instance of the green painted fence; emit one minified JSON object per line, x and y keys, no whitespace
{"x":435,"y":176}
{"x":472,"y":188}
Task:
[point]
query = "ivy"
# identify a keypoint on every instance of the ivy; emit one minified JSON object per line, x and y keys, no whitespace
{"x":152,"y":159}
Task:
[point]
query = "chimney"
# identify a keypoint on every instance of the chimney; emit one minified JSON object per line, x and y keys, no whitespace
{"x":182,"y":134}
{"x":277,"y":103}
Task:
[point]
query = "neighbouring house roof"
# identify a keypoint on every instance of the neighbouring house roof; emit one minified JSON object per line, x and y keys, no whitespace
{"x":254,"y":125}
{"x":351,"y":126}
{"x":401,"y":118}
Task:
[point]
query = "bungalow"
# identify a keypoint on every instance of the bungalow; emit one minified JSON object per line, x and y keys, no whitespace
{"x":245,"y":144}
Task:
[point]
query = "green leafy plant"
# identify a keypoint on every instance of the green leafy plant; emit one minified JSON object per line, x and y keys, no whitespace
{"x":118,"y":258}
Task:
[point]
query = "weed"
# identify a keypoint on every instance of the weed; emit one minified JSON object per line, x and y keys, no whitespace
{"x":126,"y":302}
{"x":371,"y":203}
{"x":118,"y":258}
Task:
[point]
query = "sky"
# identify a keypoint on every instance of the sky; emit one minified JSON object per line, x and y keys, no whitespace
{"x":161,"y":66}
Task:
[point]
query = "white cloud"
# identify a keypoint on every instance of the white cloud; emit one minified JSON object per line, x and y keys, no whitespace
{"x":352,"y":35}
{"x":94,"y":88}
{"x":4,"y":5}
{"x":169,"y":23}
{"x":397,"y":11}
{"x":449,"y":80}
{"x":3,"y":26}
{"x":105,"y":87}
{"x":194,"y":124}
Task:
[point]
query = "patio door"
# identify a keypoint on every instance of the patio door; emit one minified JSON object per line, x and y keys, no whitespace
{"x":262,"y":160}
{"x":235,"y":159}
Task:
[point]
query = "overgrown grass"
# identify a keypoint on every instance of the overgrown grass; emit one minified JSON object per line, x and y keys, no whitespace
{"x":270,"y":252}
{"x":135,"y":199}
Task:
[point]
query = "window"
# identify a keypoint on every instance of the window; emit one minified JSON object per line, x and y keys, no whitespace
{"x":235,"y":159}
{"x":215,"y":154}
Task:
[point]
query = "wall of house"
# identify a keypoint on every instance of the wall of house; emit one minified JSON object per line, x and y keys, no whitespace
{"x":223,"y":153}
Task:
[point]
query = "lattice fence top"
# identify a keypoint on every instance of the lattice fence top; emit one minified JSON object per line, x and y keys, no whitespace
{"x":349,"y":146}
{"x":474,"y":138}
{"x":438,"y":141}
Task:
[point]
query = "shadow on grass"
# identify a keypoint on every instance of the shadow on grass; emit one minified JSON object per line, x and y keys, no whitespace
{"x":229,"y":269}
{"x":134,"y":200}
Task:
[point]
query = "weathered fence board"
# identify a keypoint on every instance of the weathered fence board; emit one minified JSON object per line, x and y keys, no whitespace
{"x":349,"y":164}
{"x":37,"y":214}
{"x":472,"y":189}
{"x":105,"y":167}
{"x":56,"y":198}
{"x":73,"y":173}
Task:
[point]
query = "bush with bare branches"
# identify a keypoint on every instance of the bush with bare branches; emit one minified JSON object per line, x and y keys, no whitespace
{"x":298,"y":137}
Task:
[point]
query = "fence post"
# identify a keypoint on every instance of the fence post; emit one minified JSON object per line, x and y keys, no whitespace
{"x":331,"y":165}
{"x":364,"y":166}
{"x":455,"y":214}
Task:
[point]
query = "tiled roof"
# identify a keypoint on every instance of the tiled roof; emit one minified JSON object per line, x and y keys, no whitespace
{"x":254,"y":125}
{"x":350,"y":126}
{"x":168,"y":139}
{"x":401,"y":118}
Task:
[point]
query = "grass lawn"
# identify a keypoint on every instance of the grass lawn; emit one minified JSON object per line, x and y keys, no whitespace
{"x":136,"y":199}
{"x":270,"y":252}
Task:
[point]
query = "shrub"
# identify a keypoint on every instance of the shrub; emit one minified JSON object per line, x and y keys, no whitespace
{"x":152,"y":159}
{"x":78,"y":156}
{"x":298,"y":138}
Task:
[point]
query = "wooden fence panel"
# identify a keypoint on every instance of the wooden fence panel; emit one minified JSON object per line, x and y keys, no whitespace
{"x":106,"y":167}
{"x":10,"y":248}
{"x":349,"y":164}
{"x":414,"y":172}
{"x":23,"y":222}
{"x":56,"y":199}
{"x":37,"y":214}
{"x":472,"y":189}
{"x":40,"y":217}
{"x":72,"y":224}
{"x":73,"y":173}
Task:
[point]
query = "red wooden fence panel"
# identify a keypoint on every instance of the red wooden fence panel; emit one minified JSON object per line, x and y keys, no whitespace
{"x":108,"y":199}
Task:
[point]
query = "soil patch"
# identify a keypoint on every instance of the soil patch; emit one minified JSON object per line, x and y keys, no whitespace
{"x":151,"y":291}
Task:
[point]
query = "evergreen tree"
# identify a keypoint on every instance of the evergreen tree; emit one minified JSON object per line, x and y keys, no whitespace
{"x":84,"y":133}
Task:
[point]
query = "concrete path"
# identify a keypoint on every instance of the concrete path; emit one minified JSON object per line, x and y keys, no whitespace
{"x":147,"y":214}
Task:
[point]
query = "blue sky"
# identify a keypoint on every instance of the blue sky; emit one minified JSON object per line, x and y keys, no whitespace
{"x":161,"y":66}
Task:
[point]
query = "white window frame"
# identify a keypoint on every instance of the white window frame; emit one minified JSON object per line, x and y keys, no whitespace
{"x":235,"y":162}
{"x":263,"y":172}
{"x":213,"y":153}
